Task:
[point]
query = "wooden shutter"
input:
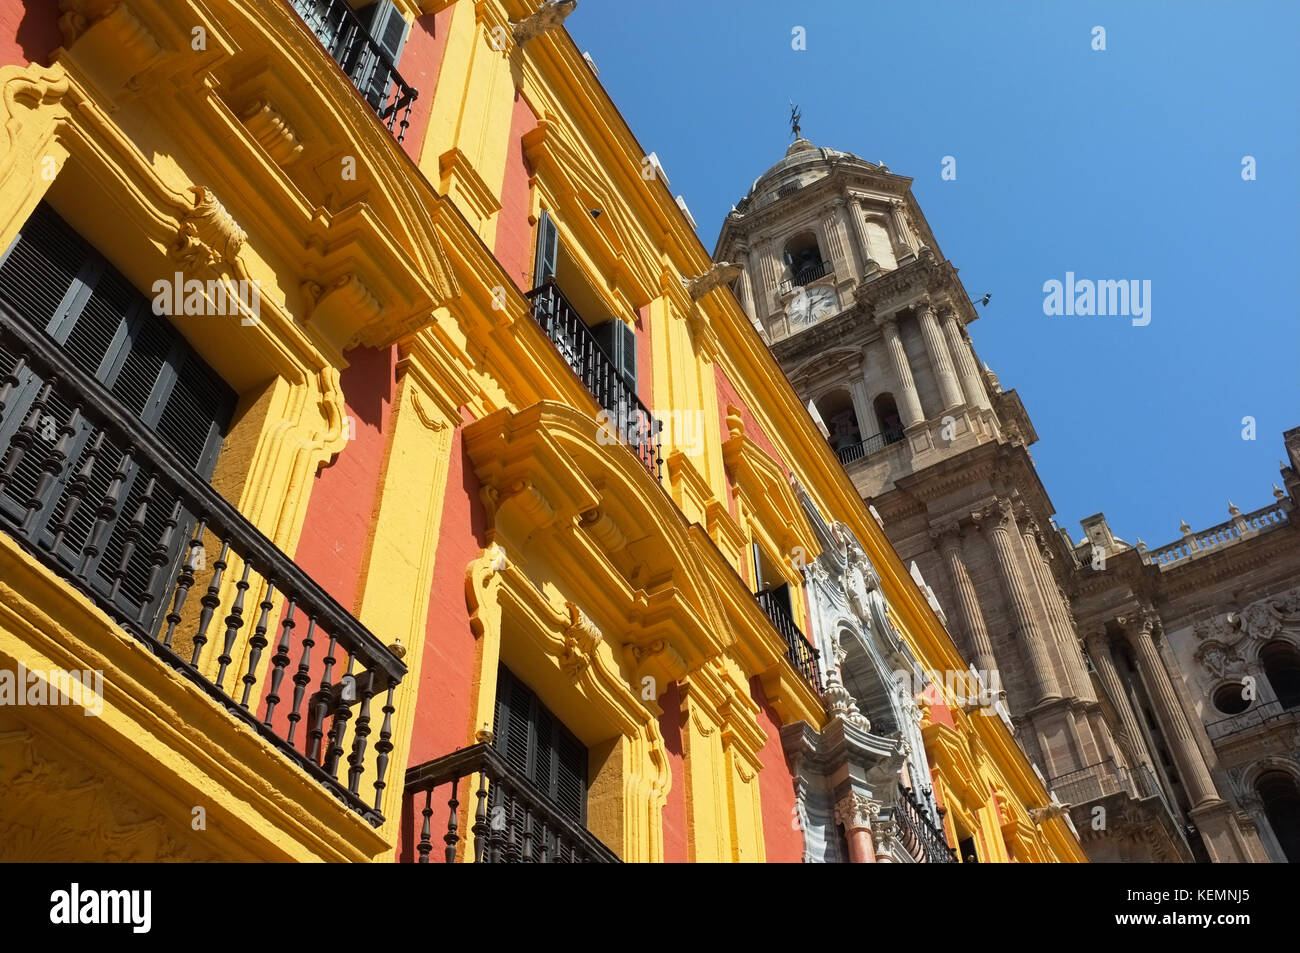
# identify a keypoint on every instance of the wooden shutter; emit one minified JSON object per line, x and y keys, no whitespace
{"x":548,"y":250}
{"x":107,"y":329}
{"x":618,"y":340}
{"x":537,"y":746}
{"x":370,"y":72}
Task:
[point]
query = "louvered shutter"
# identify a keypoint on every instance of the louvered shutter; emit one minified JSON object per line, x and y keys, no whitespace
{"x":618,"y":340}
{"x":548,"y":250}
{"x":387,"y":30}
{"x":537,"y":746}
{"x":107,"y":329}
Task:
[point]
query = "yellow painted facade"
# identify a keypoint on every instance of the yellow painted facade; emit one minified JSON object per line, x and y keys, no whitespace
{"x":233,"y":158}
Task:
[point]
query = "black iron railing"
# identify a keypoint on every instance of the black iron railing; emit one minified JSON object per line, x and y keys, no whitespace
{"x":511,"y":821}
{"x":803,"y":274}
{"x":370,"y":69}
{"x":923,"y":837}
{"x":1092,"y":782}
{"x":628,"y":421}
{"x":1250,"y":718}
{"x":162,"y":565}
{"x":798,"y":649}
{"x":869,"y":446}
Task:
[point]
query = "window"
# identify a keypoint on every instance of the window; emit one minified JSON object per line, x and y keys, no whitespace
{"x":538,"y":747}
{"x":887,"y":417}
{"x":1281,"y":797}
{"x":1231,"y":698}
{"x":966,"y":851}
{"x":107,"y":329}
{"x":1281,"y":664}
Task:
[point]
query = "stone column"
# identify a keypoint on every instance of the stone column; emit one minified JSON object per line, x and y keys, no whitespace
{"x":746,"y":284}
{"x":1099,"y":651}
{"x":971,"y":383}
{"x":855,"y":214}
{"x":834,"y":250}
{"x":909,"y":404}
{"x":940,"y":360}
{"x":855,"y":255}
{"x":1173,"y":723}
{"x":999,"y":522}
{"x":1057,"y":616}
{"x":765,"y":269}
{"x":968,"y":606}
{"x":898,"y":215}
{"x":857,"y":813}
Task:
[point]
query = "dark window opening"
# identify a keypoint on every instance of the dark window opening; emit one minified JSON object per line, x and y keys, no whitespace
{"x":966,"y":851}
{"x":887,"y":417}
{"x":1281,"y":664}
{"x":1281,"y":797}
{"x":538,"y":747}
{"x":108,"y":330}
{"x":1231,"y":698}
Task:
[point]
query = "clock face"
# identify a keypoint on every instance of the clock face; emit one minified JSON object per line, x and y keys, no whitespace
{"x":812,"y":304}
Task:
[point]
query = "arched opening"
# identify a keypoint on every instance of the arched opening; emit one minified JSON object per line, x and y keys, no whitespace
{"x":1230,"y":699}
{"x":1281,"y":663}
{"x":840,"y":418}
{"x":861,"y":676}
{"x":887,"y":417}
{"x":1281,"y":797}
{"x":803,"y":256}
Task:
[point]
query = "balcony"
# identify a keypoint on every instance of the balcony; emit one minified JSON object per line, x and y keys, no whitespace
{"x":1092,"y":783}
{"x":368,"y":67}
{"x":798,"y":650}
{"x":806,"y":273}
{"x":1251,"y":718}
{"x":104,"y":503}
{"x":512,"y":822}
{"x":867,"y":447}
{"x":923,"y":838}
{"x":588,"y":360}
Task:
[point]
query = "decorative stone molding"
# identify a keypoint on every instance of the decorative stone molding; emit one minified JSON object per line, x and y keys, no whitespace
{"x":272,"y":132}
{"x":857,"y":812}
{"x":581,"y":637}
{"x":549,"y":16}
{"x":722,"y":273}
{"x":208,"y":234}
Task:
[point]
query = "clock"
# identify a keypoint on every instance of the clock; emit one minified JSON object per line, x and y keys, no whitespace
{"x":812,"y":304}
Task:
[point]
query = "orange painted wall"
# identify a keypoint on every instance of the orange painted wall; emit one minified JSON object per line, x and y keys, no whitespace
{"x":442,"y":713}
{"x":514,"y":238}
{"x":421,"y":60}
{"x":783,"y":841}
{"x":442,"y":716}
{"x":29,"y":31}
{"x":341,"y":509}
{"x":674,"y":813}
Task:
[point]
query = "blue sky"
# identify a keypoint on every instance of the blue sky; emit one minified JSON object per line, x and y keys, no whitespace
{"x":1122,"y":164}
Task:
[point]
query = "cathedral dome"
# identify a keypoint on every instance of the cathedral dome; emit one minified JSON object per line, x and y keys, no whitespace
{"x":802,"y":164}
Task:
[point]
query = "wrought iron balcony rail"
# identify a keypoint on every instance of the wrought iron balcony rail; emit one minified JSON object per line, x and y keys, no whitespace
{"x":807,"y":273}
{"x":632,"y":420}
{"x":369,"y":68}
{"x":1093,"y":782}
{"x":922,"y":837}
{"x":103,"y":502}
{"x":869,"y":446}
{"x":1250,"y":718}
{"x":798,"y":649}
{"x":512,"y":822}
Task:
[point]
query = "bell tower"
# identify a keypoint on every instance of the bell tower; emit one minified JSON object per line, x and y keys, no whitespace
{"x":844,"y":280}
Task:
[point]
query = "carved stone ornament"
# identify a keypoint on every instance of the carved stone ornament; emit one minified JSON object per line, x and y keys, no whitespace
{"x":722,"y":272}
{"x":208,"y":234}
{"x":549,"y":16}
{"x":857,"y":812}
{"x":580,"y":640}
